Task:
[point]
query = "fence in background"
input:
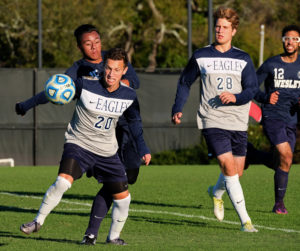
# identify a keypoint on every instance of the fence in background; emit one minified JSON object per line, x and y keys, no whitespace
{"x":38,"y":137}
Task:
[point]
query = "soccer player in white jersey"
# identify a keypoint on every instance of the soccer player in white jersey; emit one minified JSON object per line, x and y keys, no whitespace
{"x":228,"y":83}
{"x":90,"y":143}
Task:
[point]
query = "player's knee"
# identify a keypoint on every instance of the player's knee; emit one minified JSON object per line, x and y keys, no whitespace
{"x":116,"y":188}
{"x":286,"y":161}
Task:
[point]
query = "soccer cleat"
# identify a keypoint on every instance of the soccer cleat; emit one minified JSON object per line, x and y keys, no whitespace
{"x":30,"y":227}
{"x":248,"y":227}
{"x":89,"y":239}
{"x":117,"y":241}
{"x":279,"y":208}
{"x":218,"y":204}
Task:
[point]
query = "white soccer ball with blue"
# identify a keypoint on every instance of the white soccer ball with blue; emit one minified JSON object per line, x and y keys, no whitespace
{"x":60,"y":89}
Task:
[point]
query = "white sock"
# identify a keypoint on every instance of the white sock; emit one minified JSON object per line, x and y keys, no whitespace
{"x":219,"y":188}
{"x":52,"y":197}
{"x":235,"y":193}
{"x":119,"y":215}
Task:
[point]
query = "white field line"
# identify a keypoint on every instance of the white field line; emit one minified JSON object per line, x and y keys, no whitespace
{"x":152,"y":212}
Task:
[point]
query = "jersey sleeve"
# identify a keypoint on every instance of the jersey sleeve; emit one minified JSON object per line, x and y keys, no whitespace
{"x":133,"y":118}
{"x":72,"y":72}
{"x":78,"y":85}
{"x":249,"y":84}
{"x":262,"y":74}
{"x":187,"y":78}
{"x":23,"y":107}
{"x":132,"y":77}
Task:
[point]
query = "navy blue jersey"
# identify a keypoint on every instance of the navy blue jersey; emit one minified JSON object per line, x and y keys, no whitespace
{"x":231,"y":71}
{"x":283,"y":77}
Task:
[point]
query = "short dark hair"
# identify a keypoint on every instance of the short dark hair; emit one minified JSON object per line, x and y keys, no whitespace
{"x":292,"y":27}
{"x":82,"y":29}
{"x":116,"y":54}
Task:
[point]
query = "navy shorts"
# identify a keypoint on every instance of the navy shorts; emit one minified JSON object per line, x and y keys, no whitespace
{"x":105,"y":169}
{"x":221,"y":141}
{"x":127,"y":149}
{"x":277,"y":131}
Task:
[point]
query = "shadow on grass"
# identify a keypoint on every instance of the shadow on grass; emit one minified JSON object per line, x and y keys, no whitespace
{"x":16,"y":236}
{"x":179,"y":222}
{"x":66,"y":196}
{"x":91,"y":198}
{"x":34,"y":211}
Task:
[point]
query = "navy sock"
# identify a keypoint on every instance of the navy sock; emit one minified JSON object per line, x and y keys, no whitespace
{"x":101,"y":205}
{"x":280,"y":184}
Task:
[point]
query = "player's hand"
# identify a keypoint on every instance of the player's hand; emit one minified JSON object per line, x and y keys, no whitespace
{"x":176,"y":119}
{"x":125,"y":81}
{"x":147,"y":158}
{"x":19,"y":110}
{"x":274,"y":97}
{"x":227,"y":97}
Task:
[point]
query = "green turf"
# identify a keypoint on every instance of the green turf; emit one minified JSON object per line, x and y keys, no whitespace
{"x":170,"y":210}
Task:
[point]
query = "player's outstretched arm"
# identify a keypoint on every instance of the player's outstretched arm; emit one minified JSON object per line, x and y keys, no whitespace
{"x":22,"y":107}
{"x":176,"y":119}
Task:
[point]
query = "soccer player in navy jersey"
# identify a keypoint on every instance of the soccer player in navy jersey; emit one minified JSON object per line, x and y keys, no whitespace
{"x":91,"y":144}
{"x":281,"y":77}
{"x":228,"y":83}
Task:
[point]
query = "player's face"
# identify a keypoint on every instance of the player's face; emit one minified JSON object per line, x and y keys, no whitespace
{"x":291,"y":44}
{"x":91,"y":47}
{"x":224,"y":31}
{"x":114,"y":70}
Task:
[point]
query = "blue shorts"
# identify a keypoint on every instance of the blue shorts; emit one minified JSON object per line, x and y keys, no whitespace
{"x":277,"y":131}
{"x":105,"y":169}
{"x":221,"y":141}
{"x":127,"y":149}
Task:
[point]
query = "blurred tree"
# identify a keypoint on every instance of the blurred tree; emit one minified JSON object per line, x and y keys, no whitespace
{"x":153,"y":32}
{"x":18,"y":36}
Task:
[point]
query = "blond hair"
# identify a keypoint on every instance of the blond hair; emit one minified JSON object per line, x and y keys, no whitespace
{"x":229,"y":14}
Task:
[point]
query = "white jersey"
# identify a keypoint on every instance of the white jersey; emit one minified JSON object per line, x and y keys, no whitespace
{"x":96,"y":115}
{"x":233,"y":72}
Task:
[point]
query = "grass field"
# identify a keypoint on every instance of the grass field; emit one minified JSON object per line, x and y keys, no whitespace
{"x":170,"y":210}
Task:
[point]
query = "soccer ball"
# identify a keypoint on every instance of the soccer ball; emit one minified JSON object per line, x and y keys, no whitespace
{"x":60,"y":89}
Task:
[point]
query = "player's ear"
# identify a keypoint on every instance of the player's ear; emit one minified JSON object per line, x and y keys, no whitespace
{"x":233,"y":31}
{"x":125,"y":70}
